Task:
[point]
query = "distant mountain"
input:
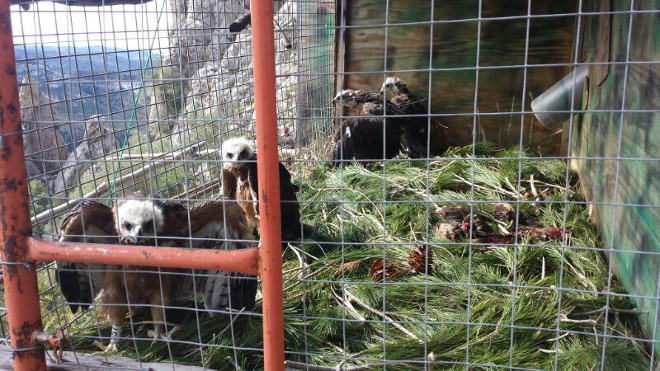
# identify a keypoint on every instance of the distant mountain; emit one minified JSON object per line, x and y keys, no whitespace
{"x":84,"y":81}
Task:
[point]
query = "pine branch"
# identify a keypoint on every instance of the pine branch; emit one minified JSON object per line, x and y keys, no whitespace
{"x":382,"y":315}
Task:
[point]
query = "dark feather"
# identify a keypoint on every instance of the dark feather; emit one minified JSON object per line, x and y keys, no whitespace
{"x":361,"y":138}
{"x":221,"y":224}
{"x":77,"y":293}
{"x":88,"y":221}
{"x":374,"y":134}
{"x":241,"y":22}
{"x":289,"y":208}
{"x":415,"y":123}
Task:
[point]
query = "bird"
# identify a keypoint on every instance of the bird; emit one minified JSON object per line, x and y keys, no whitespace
{"x":414,"y":128}
{"x":245,"y":19}
{"x":220,"y":224}
{"x":217,"y":224}
{"x":141,"y":221}
{"x":87,"y":222}
{"x":240,"y":23}
{"x":240,"y":182}
{"x":372,"y":133}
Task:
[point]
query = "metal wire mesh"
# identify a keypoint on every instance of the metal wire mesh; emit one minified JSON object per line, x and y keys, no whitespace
{"x":124,"y":99}
{"x":477,"y":253}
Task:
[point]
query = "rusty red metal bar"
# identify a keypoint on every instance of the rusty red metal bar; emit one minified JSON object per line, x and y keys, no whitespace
{"x":244,"y":260}
{"x":263,"y":49}
{"x":20,"y":275}
{"x":56,"y":341}
{"x":19,"y":251}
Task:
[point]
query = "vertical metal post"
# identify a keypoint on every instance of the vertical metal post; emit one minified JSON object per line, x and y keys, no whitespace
{"x":20,"y":276}
{"x":263,"y":44}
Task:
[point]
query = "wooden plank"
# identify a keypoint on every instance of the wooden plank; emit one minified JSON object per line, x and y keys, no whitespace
{"x":94,"y":362}
{"x":449,"y":43}
{"x":628,"y":219}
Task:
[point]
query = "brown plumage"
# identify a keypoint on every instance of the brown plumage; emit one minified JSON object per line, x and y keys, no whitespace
{"x":221,"y":224}
{"x":235,"y":186}
{"x":91,"y":222}
{"x":218,"y":224}
{"x":360,"y":102}
{"x":415,"y":125}
{"x":125,"y":288}
{"x":373,"y":134}
{"x":240,"y":182}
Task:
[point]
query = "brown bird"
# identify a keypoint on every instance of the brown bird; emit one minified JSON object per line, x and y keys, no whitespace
{"x":373,"y":134}
{"x":142,"y":221}
{"x":415,"y":126}
{"x":240,"y":182}
{"x":145,"y":221}
{"x":89,"y":222}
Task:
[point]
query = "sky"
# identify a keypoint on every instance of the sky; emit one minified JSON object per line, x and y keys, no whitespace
{"x":120,"y":26}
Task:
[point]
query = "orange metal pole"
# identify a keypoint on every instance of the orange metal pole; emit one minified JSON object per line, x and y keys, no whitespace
{"x":244,"y":260}
{"x":19,"y":274}
{"x":263,"y":45}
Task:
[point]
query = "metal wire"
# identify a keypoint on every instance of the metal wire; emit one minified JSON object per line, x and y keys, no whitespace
{"x":140,"y":98}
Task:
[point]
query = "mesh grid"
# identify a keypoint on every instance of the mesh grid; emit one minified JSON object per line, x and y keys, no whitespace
{"x":498,"y":247}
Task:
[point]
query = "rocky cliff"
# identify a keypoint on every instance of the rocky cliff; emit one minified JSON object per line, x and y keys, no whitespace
{"x":215,"y":68}
{"x":45,"y":150}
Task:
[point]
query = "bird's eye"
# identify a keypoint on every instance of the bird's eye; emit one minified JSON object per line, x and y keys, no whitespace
{"x":128,"y":226}
{"x":230,"y":155}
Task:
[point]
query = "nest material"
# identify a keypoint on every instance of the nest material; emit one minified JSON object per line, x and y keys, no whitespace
{"x":521,"y":282}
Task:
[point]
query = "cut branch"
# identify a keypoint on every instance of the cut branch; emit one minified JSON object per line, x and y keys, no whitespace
{"x":359,"y":302}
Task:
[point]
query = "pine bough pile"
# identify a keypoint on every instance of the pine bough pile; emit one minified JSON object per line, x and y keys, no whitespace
{"x":437,"y":263}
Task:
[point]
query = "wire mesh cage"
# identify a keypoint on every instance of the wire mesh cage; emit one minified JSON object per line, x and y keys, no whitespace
{"x":433,"y":216}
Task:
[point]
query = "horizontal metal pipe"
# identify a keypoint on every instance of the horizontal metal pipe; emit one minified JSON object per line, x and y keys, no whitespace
{"x":243,"y":260}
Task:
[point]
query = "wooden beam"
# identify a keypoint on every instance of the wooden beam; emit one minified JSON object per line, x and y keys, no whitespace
{"x":93,"y":362}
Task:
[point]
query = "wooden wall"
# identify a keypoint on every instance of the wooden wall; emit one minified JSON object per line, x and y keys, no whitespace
{"x":625,"y":192}
{"x":450,"y":48}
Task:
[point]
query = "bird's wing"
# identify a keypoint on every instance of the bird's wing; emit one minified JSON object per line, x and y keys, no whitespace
{"x":344,"y":146}
{"x":228,"y":181}
{"x":176,"y":228}
{"x":414,"y":127}
{"x":253,"y":181}
{"x":219,"y":224}
{"x":90,"y":222}
{"x":289,"y":208}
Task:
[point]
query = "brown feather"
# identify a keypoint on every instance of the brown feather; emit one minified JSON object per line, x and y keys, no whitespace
{"x":89,"y":221}
{"x":135,"y":286}
{"x":218,"y":211}
{"x":222,"y":224}
{"x":228,"y":184}
{"x":361,"y":137}
{"x":125,"y":288}
{"x":239,"y":189}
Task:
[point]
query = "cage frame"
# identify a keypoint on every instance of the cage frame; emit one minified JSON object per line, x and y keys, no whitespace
{"x":20,"y":252}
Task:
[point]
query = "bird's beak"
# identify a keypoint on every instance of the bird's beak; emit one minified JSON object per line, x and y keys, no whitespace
{"x":128,"y":240}
{"x":132,"y":239}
